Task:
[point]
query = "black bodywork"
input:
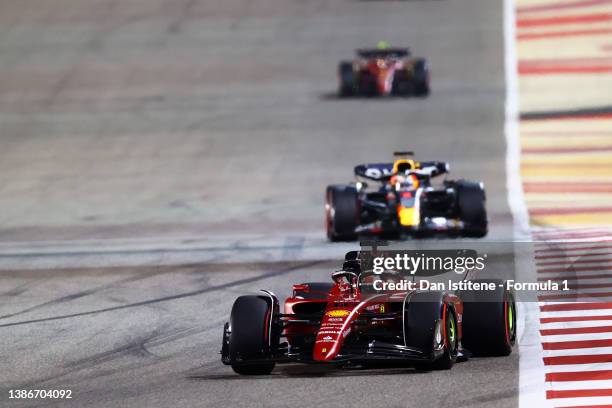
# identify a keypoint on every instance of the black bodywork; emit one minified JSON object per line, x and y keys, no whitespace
{"x":449,"y":207}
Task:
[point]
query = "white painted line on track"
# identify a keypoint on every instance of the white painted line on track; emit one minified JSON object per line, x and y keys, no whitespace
{"x":575,"y":325}
{"x":574,"y":313}
{"x":585,"y":402}
{"x":576,"y":337}
{"x":531,"y":366}
{"x":580,"y":385}
{"x":516,"y":197}
{"x":578,"y":352}
{"x":568,"y":368}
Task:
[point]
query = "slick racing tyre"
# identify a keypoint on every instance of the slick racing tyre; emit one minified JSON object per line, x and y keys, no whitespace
{"x":430,"y":325}
{"x":346,"y":76}
{"x":403,"y":83}
{"x":471,"y":207}
{"x":341,"y":212}
{"x":250,"y":336}
{"x":489,"y":320}
{"x":421,"y":78}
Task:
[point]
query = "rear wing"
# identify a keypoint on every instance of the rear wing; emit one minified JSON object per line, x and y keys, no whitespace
{"x":433,"y":168}
{"x":383,"y":171}
{"x":372,"y":53}
{"x":374,"y":171}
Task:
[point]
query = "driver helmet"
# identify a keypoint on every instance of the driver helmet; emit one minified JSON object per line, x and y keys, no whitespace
{"x":352,"y":266}
{"x":409,"y":181}
{"x":383,"y":45}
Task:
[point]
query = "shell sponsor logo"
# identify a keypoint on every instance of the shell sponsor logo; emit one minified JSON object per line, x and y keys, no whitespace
{"x":338,"y":313}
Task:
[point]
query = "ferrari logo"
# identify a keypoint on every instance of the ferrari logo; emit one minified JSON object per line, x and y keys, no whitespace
{"x":382,"y":309}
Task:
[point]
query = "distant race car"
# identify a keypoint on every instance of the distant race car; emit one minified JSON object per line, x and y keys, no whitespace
{"x":405,"y":202}
{"x":384,"y":71}
{"x":346,"y":322}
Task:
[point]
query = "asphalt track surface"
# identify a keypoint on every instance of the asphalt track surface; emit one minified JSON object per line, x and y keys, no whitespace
{"x":217,"y":119}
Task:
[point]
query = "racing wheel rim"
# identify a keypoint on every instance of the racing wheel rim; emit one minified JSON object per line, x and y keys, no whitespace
{"x":451,"y":333}
{"x":510,"y":317}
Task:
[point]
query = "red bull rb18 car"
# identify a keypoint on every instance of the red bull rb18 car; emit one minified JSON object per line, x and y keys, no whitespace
{"x":404,"y":201}
{"x":346,"y":322}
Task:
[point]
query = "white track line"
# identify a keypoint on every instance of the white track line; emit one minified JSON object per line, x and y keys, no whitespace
{"x":575,"y":337}
{"x":568,"y":368}
{"x":578,"y":352}
{"x":575,"y":325}
{"x":576,"y":402}
{"x":516,"y":197}
{"x":531,"y":366}
{"x":583,"y":385}
{"x":574,"y":313}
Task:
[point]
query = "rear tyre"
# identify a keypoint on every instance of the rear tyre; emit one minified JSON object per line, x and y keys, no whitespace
{"x":489,"y":320}
{"x":421,"y":78}
{"x":431,"y":326}
{"x":346,"y":76}
{"x":249,"y":336}
{"x":471,"y":207}
{"x":341,"y":212}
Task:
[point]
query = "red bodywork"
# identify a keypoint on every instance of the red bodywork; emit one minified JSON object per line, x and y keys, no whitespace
{"x":383,"y":71}
{"x":344,"y":305}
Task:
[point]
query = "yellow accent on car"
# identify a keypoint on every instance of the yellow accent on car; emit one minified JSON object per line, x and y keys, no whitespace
{"x":397,"y":163}
{"x":383,"y":45}
{"x":408,"y":217}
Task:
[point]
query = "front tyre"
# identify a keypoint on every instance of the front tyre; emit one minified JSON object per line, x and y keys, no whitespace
{"x":450,"y":337}
{"x":346,"y":78}
{"x":250,"y":336}
{"x":421,"y":78}
{"x":471,"y":208}
{"x":430,"y":325}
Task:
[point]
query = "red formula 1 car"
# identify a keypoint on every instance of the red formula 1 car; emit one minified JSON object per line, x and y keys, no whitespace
{"x":347,"y":322}
{"x":384,"y":71}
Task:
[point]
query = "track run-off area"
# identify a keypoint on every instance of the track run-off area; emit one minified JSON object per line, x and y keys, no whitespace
{"x":564,"y":129}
